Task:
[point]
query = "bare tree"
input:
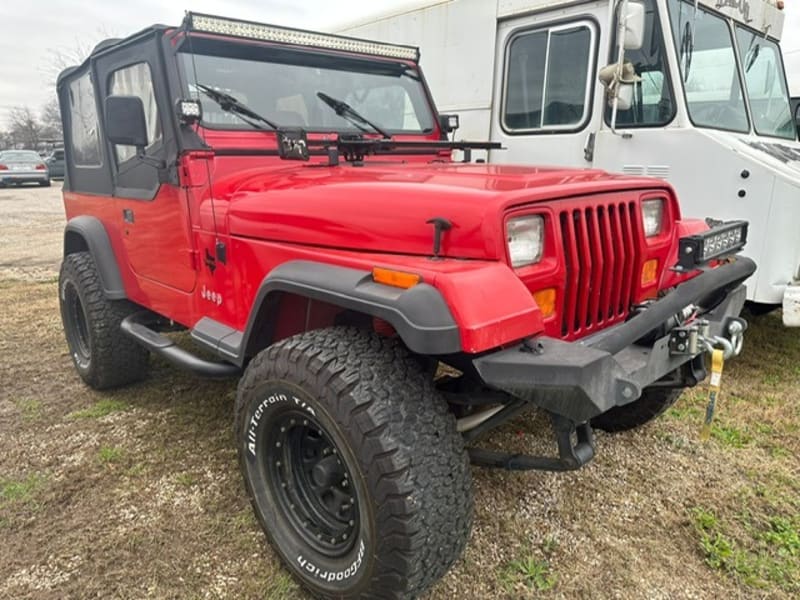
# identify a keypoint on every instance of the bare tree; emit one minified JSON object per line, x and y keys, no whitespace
{"x":24,"y":127}
{"x":61,"y":57}
{"x":51,"y":120}
{"x":5,"y":140}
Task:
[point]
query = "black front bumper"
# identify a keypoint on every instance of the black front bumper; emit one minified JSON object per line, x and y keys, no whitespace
{"x":580,"y":380}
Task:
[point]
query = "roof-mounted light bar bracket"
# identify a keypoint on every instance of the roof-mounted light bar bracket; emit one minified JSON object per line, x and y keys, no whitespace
{"x":298,"y":37}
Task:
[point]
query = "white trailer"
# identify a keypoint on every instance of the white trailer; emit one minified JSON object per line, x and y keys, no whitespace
{"x":706,"y":106}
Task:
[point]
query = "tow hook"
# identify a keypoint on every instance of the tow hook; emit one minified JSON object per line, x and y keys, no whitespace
{"x":696,"y":338}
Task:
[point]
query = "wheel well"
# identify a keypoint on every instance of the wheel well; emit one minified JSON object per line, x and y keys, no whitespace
{"x":284,"y":314}
{"x":74,"y":242}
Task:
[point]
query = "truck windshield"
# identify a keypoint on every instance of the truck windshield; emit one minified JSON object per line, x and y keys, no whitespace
{"x":282,"y":85}
{"x":708,"y":67}
{"x":765,"y":83}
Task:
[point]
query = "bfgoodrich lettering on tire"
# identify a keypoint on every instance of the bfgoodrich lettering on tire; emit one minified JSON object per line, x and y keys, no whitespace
{"x":102,"y":355}
{"x":353,"y":464}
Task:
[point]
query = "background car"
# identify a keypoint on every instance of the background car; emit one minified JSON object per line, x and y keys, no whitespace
{"x":55,"y":163}
{"x":22,"y":166}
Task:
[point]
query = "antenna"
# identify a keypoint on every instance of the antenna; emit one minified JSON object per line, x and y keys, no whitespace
{"x":219,"y":247}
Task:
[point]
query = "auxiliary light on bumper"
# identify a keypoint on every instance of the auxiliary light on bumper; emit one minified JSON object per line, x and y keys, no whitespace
{"x":718,"y":242}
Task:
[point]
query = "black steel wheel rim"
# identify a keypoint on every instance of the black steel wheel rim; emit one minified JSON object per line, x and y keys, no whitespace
{"x":79,"y":332}
{"x":311,"y":482}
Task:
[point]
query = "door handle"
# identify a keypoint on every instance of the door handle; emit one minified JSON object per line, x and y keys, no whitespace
{"x":127,"y":215}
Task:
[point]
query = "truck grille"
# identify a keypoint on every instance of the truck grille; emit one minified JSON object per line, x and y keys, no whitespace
{"x":601,"y":253}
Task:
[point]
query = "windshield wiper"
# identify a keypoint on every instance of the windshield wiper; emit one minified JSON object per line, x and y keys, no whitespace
{"x":230,"y":104}
{"x":346,"y":111}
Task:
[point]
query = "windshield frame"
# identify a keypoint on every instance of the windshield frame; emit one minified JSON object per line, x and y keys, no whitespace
{"x":268,"y":52}
{"x":782,"y":74}
{"x":727,"y":22}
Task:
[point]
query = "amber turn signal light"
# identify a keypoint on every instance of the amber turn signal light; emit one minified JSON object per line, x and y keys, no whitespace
{"x":399,"y":279}
{"x":546,"y":300}
{"x":649,"y":272}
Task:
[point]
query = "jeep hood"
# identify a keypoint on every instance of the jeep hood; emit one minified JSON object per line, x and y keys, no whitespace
{"x":386,"y":207}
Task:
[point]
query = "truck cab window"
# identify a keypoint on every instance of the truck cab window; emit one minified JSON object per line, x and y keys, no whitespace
{"x":653,"y":99}
{"x":765,"y":83}
{"x":84,"y":131}
{"x":136,"y":80}
{"x":707,"y":63}
{"x":547,"y":83}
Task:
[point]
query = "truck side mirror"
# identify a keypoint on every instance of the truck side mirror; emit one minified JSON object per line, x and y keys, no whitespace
{"x":797,"y":118}
{"x":125,"y":122}
{"x":634,"y":26}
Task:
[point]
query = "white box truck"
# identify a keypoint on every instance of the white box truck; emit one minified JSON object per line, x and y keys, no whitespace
{"x":695,"y":93}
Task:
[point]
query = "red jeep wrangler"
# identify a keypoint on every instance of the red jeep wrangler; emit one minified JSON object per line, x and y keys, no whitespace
{"x":289,"y":197}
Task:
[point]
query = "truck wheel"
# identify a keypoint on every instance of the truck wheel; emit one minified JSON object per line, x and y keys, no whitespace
{"x":653,"y":403}
{"x":353,"y":464}
{"x":103,"y":356}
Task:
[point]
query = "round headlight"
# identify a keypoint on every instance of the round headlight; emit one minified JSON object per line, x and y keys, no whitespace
{"x":525,"y":237}
{"x":652,"y":216}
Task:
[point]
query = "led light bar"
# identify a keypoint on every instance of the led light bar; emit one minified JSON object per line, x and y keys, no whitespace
{"x":298,"y":37}
{"x":721,"y":241}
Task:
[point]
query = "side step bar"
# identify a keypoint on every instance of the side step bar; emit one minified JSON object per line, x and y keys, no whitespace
{"x":136,"y":328}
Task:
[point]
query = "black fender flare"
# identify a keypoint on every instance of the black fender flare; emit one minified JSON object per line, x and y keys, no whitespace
{"x":87,"y":233}
{"x":419,"y":314}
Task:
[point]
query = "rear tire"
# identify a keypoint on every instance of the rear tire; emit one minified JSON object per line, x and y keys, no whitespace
{"x":45,"y":183}
{"x":652,"y":404}
{"x":353,"y":464}
{"x":103,"y":356}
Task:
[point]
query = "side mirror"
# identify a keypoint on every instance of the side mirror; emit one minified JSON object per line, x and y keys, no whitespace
{"x":624,"y":96}
{"x":797,"y":117}
{"x":125,"y":122}
{"x":634,"y":26}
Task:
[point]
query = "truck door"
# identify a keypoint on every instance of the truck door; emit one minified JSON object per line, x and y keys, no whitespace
{"x":152,"y":213}
{"x":646,"y":140}
{"x":546,"y":92}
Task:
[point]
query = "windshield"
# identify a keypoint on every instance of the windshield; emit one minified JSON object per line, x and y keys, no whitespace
{"x":708,"y":67}
{"x":765,"y":84}
{"x":282,"y":85}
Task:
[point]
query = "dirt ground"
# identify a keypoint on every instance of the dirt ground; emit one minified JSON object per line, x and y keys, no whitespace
{"x":136,"y":493}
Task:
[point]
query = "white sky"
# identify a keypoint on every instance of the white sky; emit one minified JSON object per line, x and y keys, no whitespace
{"x":30,"y":29}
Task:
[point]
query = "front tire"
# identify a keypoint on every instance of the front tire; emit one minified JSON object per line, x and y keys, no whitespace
{"x":652,"y":404}
{"x":103,"y":356}
{"x":353,"y":464}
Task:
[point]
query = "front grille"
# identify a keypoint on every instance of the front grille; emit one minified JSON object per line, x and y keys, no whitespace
{"x":601,"y":253}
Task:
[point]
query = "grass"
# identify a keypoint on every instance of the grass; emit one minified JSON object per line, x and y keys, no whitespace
{"x":724,"y":513}
{"x":17,"y":491}
{"x":731,"y":436}
{"x":529,"y":573}
{"x":101,"y":408}
{"x":280,"y":586}
{"x":30,"y":408}
{"x":110,"y":454}
{"x":186,"y":479}
{"x":760,"y":553}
